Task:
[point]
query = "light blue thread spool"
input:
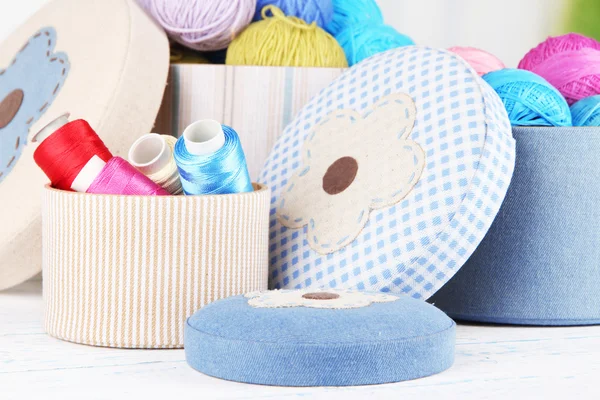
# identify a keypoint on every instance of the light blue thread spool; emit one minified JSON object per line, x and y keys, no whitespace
{"x":529,"y":99}
{"x":586,"y":112}
{"x":210,"y":160}
{"x":361,"y":40}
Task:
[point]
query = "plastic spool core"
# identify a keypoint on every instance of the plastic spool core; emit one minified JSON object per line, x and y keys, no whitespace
{"x":204,"y":137}
{"x":52,"y":127}
{"x":88,"y":174}
{"x":150,"y":153}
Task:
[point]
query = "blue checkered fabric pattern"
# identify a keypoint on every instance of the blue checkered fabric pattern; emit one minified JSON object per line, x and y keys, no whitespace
{"x":417,"y":245}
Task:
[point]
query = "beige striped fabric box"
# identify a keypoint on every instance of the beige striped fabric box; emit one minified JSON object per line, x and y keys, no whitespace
{"x":126,"y":271}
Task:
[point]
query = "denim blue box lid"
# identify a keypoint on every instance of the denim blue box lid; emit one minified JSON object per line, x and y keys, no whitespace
{"x":389,"y":178}
{"x":321,"y":338}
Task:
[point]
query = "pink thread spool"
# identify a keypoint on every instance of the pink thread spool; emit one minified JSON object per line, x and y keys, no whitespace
{"x":481,"y":61}
{"x":120,"y":177}
{"x":571,"y":63}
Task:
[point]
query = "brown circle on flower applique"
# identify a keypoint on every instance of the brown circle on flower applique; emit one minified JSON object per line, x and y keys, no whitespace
{"x":340,"y":175}
{"x":320,"y":296}
{"x":9,"y":107}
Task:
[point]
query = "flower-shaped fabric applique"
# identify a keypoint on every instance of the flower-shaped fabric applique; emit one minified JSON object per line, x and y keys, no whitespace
{"x":28,"y":86}
{"x":352,"y":165}
{"x":316,"y":299}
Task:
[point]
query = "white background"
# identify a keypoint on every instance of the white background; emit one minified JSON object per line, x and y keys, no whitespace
{"x":506,"y":28}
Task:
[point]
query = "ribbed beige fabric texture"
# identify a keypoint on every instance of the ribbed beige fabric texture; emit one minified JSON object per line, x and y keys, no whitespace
{"x":126,"y":271}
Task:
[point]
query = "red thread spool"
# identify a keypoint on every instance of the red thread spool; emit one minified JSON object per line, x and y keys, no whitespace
{"x":65,"y":152}
{"x":120,"y":177}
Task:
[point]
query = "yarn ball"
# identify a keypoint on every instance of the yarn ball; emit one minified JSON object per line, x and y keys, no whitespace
{"x":353,"y":12}
{"x":203,"y":25}
{"x":319,"y":11}
{"x":278,"y":40}
{"x":361,"y":41}
{"x":529,"y":99}
{"x":586,"y":112}
{"x":481,"y":61}
{"x":571,"y":63}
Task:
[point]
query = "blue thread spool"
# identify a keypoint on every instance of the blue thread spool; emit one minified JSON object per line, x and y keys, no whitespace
{"x":529,"y":99}
{"x":586,"y":112}
{"x":210,"y":160}
{"x":361,"y":41}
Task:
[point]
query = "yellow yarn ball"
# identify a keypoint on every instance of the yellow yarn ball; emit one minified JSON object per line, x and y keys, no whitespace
{"x":284,"y":41}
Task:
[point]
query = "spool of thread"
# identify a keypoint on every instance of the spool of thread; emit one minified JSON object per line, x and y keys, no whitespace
{"x":364,"y":40}
{"x":203,"y":25}
{"x":278,"y":40}
{"x":319,"y":11}
{"x":353,"y":12}
{"x":211,"y":160}
{"x":529,"y":99}
{"x":481,"y":61}
{"x":71,"y":154}
{"x":586,"y":112}
{"x":571,"y":63}
{"x":152,"y":155}
{"x":121,"y":178}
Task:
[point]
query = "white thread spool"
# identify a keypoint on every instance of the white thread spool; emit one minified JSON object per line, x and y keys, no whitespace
{"x":204,"y":137}
{"x":152,"y":155}
{"x":90,"y":170}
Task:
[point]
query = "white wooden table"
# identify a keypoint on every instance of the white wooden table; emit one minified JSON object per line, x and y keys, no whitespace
{"x":491,"y":363}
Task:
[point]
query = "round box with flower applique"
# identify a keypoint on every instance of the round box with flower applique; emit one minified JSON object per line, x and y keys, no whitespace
{"x":390,"y":177}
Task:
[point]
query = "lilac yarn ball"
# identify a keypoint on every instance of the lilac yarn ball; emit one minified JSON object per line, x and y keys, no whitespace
{"x":319,"y":11}
{"x":571,"y":63}
{"x":203,"y":25}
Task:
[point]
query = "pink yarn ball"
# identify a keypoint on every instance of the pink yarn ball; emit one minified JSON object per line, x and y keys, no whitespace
{"x":481,"y":61}
{"x":571,"y":63}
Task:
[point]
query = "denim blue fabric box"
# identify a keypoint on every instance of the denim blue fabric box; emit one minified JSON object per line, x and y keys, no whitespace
{"x":322,"y":338}
{"x":539,"y":264}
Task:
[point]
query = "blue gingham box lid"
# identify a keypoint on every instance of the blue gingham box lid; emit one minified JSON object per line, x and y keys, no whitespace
{"x":390,"y":177}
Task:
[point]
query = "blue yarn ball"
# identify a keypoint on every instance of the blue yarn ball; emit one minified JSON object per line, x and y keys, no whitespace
{"x":353,"y":12}
{"x":319,"y":11}
{"x":362,"y":41}
{"x":586,"y":112}
{"x":529,"y":99}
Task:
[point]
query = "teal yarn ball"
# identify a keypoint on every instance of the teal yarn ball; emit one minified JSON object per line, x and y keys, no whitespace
{"x":352,"y":12}
{"x":319,"y":11}
{"x":529,"y":99}
{"x":586,"y":112}
{"x":362,"y":41}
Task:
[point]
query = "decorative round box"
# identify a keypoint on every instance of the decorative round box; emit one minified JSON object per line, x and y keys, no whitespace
{"x":539,"y":264}
{"x":332,"y":338}
{"x":390,"y":177}
{"x":101,"y":60}
{"x":126,"y":271}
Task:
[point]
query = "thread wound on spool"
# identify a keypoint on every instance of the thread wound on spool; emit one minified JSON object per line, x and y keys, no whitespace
{"x":353,"y":12}
{"x":570,"y":62}
{"x":222,"y":172}
{"x":361,"y":41}
{"x":586,"y":112}
{"x":278,"y":40}
{"x":318,"y":11}
{"x":481,"y":61}
{"x":529,"y":99}
{"x":202,"y":25}
{"x":152,"y":155}
{"x":121,"y":178}
{"x":66,"y":151}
